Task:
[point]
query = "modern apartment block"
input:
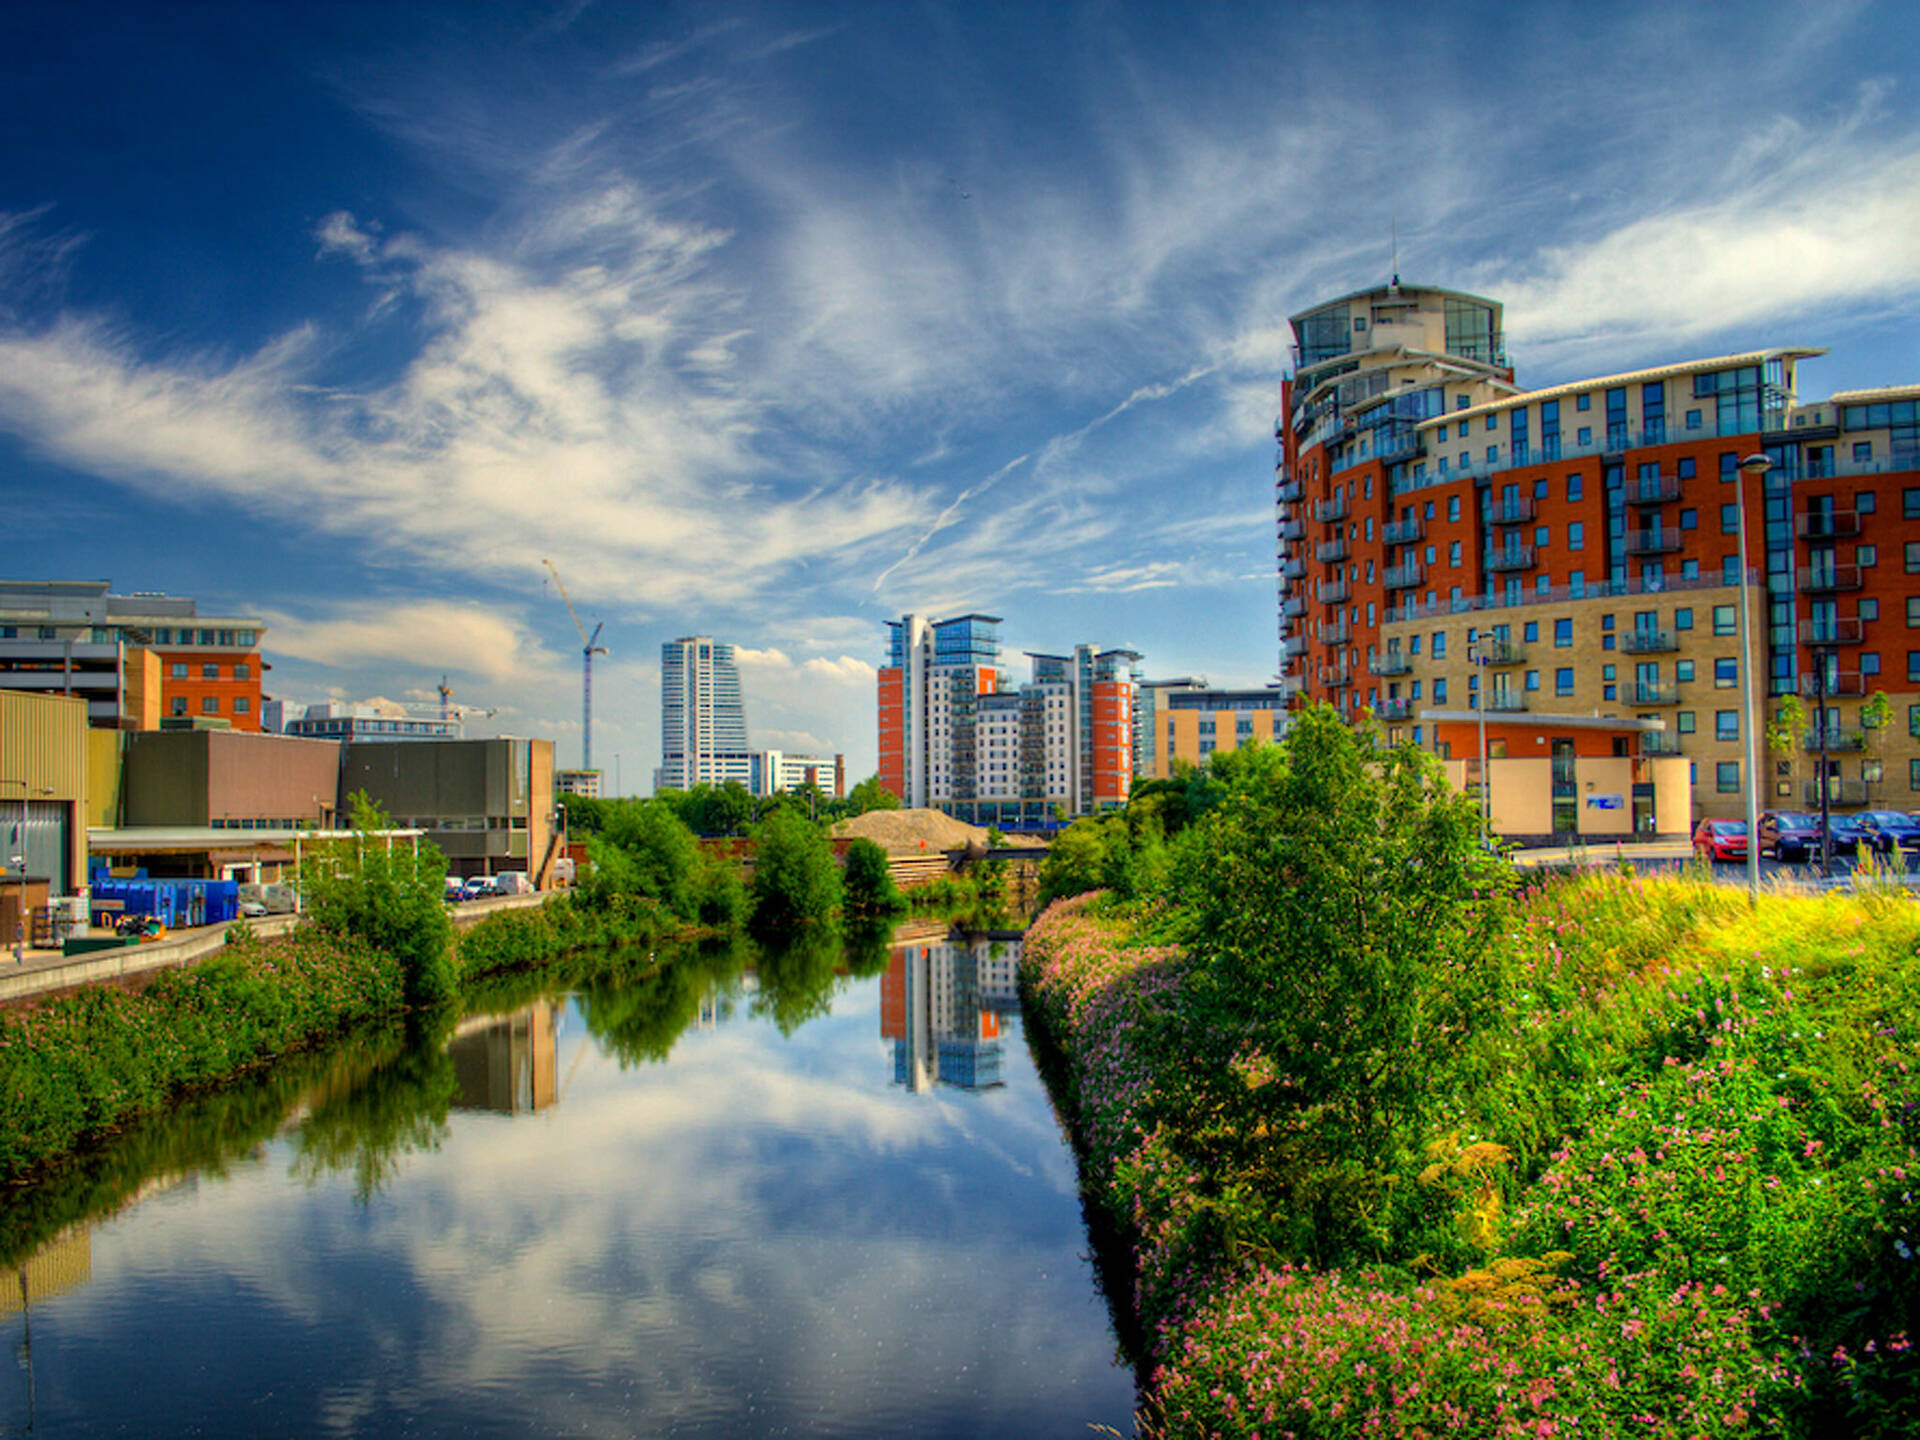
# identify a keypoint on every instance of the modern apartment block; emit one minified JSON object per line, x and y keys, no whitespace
{"x":702,"y":717}
{"x":1191,"y":721}
{"x":703,"y":729}
{"x":955,"y":734}
{"x":72,"y":637}
{"x":1454,"y":548}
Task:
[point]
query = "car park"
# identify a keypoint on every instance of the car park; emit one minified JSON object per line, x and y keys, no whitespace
{"x":1721,"y":839}
{"x":1789,"y":835}
{"x":1885,"y":831}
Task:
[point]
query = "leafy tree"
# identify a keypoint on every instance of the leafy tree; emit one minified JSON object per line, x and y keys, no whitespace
{"x":1079,"y":859}
{"x":1783,"y":735}
{"x":1351,"y":927}
{"x":870,"y":794}
{"x":646,"y":850}
{"x":391,"y":894}
{"x":867,"y":883}
{"x":795,"y":881}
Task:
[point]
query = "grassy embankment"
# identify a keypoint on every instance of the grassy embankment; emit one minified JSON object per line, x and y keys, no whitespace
{"x":1676,"y":1195}
{"x":84,"y":1064}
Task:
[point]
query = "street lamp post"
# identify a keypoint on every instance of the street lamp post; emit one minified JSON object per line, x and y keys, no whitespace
{"x":1757,"y":466}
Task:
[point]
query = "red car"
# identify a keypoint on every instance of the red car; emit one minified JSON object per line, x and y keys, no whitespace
{"x":1721,"y":839}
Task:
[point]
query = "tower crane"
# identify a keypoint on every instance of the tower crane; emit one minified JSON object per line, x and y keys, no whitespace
{"x":451,"y":711}
{"x":588,"y":649}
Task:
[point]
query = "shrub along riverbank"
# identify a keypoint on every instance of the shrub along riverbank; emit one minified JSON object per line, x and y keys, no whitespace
{"x":1401,"y":1153}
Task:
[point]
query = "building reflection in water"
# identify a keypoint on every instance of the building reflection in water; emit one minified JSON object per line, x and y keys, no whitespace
{"x":509,"y":1064}
{"x":942,"y":1003}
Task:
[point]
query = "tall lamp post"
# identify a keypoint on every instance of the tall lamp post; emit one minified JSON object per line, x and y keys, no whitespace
{"x":1757,"y":466}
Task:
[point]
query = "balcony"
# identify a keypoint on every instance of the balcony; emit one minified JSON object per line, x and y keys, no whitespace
{"x":1402,"y":532}
{"x":1841,"y":740}
{"x":1328,"y":511}
{"x":1655,"y":743}
{"x":1338,"y":678}
{"x":1293,"y":529}
{"x":1295,"y":607}
{"x":1831,"y":578}
{"x":1334,"y":592}
{"x":1830,"y":525}
{"x":1839,"y":792}
{"x":1500,"y":652}
{"x":1339,"y":634}
{"x":1653,"y":490}
{"x":1293,"y":569}
{"x":1834,"y":632}
{"x":1293,"y":649}
{"x":1393,"y":709}
{"x":1648,"y":642}
{"x":1330,"y":552}
{"x":1287,"y":490}
{"x":1514,"y":557}
{"x":1839,"y":684}
{"x":1506,"y":702}
{"x":1391,"y":663}
{"x":1663,"y":541}
{"x":1511,"y":512}
{"x":1652,"y":693}
{"x":1404,"y":577}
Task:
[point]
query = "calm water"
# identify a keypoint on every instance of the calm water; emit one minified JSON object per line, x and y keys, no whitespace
{"x":716,"y":1202}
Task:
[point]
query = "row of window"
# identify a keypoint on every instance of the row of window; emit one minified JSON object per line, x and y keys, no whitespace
{"x":210,"y":705}
{"x":181,"y":670}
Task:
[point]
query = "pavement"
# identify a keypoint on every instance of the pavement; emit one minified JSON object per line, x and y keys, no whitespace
{"x":48,"y":972}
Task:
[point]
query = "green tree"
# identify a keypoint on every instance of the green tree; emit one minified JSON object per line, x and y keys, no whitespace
{"x":795,"y":881}
{"x":1352,"y":930}
{"x":867,"y":882}
{"x":645,"y":849}
{"x":1784,"y":734}
{"x":390,"y":893}
{"x":870,"y":794}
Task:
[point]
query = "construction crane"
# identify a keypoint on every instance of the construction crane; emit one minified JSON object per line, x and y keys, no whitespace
{"x":451,"y":711}
{"x":588,"y":649}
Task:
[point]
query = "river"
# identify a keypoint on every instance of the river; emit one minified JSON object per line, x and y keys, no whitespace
{"x":740,"y":1195}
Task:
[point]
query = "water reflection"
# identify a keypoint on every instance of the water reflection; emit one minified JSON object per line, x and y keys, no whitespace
{"x":942,"y":1002}
{"x":712,"y":1212}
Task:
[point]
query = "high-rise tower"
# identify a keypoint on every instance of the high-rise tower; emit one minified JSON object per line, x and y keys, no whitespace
{"x":701,"y":715}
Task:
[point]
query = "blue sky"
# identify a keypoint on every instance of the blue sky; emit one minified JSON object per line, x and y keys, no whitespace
{"x":773,"y":322}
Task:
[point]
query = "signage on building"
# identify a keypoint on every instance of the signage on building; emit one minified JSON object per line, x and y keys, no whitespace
{"x":1606,"y":802}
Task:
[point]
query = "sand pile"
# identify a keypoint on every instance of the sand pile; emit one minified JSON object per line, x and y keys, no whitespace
{"x":916,"y":832}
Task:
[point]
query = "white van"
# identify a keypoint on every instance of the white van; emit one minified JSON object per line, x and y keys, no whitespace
{"x":513,"y":882}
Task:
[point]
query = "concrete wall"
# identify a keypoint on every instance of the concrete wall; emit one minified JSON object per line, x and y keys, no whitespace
{"x":203,"y":777}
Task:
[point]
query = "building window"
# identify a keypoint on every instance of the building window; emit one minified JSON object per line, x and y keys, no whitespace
{"x":1870,"y":609}
{"x":1729,"y":465}
{"x":1682,"y":671}
{"x":179,"y":670}
{"x":1563,"y":680}
{"x":1583,"y":402}
{"x":1533,"y":680}
{"x":1864,"y":501}
{"x":1693,"y":419}
{"x":1726,"y":724}
{"x":1913,"y":774}
{"x":1726,"y":777}
{"x":209,"y":704}
{"x":1870,"y":662}
{"x":1683,"y":618}
{"x":1576,"y":535}
{"x":1531,"y":634}
{"x":1439,"y":644}
{"x":209,"y":672}
{"x":1729,"y":520}
{"x":1562,"y":634}
{"x":241,"y":705}
{"x":242,"y":671}
{"x":1689,"y":519}
{"x":1913,"y":557}
{"x":179,"y":704}
{"x":1723,"y":620}
{"x":1453,"y":507}
{"x":1687,"y":468}
{"x":1726,"y":674}
{"x":1440,"y":691}
{"x":1866,"y":556}
{"x":1683,"y":722}
{"x":1913,"y":664}
{"x":1453,"y":553}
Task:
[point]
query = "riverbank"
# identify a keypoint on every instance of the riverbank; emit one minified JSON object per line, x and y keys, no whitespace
{"x":80,"y":1064}
{"x":1676,"y":1195}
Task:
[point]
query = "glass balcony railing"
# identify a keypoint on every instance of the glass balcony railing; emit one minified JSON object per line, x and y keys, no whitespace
{"x":1402,"y":532}
{"x":1834,"y":632}
{"x":1649,"y":642}
{"x":1653,"y":490}
{"x":1829,"y":525}
{"x":1513,"y":557}
{"x":1840,"y":740}
{"x":1647,"y":692}
{"x":1391,"y":663}
{"x":1405,"y":577}
{"x":1511,"y":512}
{"x":1653,"y":542}
{"x":1329,"y":552}
{"x":1829,"y":578}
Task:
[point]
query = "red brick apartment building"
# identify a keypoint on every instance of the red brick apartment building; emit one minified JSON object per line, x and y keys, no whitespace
{"x":1455,"y":549}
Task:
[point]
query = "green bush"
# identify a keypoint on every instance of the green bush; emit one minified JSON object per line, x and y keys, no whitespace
{"x":391,"y":895}
{"x":795,"y":881}
{"x":868,"y":887}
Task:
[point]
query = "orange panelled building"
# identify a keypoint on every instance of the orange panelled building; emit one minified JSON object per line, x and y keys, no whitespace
{"x":1451,"y":542}
{"x":957,"y":735}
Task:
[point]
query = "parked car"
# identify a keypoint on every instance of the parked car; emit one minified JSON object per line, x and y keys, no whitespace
{"x":252,"y":909}
{"x":455,"y":889}
{"x":1721,"y":839}
{"x":1846,"y":834}
{"x":1789,"y":835}
{"x":477,"y":887}
{"x":1884,"y":831}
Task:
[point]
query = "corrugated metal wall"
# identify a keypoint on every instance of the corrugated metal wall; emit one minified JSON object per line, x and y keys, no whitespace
{"x":43,"y":758}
